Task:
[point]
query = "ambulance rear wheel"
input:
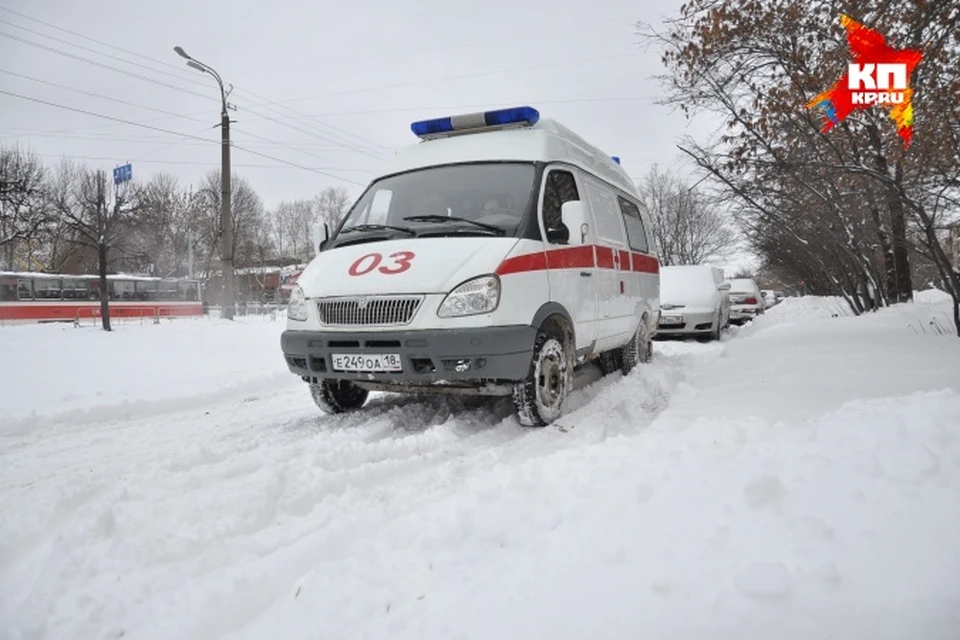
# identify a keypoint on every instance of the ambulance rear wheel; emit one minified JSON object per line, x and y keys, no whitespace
{"x":638,"y":351}
{"x":338,"y":396}
{"x":539,"y":398}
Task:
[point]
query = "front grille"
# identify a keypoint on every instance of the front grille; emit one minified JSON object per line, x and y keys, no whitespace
{"x":385,"y":310}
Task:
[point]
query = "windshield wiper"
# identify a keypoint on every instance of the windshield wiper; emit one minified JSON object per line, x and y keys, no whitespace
{"x":439,"y":218}
{"x":378,"y":227}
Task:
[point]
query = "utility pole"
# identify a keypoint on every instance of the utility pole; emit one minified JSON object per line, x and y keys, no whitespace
{"x":229,"y":296}
{"x":226,"y":217}
{"x":190,"y":253}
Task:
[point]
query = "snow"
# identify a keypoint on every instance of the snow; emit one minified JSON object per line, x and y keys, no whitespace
{"x":55,"y":373}
{"x":688,"y":285}
{"x":799,"y":479}
{"x":743,"y":285}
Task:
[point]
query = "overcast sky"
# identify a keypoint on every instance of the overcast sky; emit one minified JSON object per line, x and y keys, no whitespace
{"x":329,"y":86}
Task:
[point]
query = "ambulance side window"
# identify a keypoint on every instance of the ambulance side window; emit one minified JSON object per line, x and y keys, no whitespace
{"x":636,"y":234}
{"x":606,"y":213}
{"x":560,"y":187}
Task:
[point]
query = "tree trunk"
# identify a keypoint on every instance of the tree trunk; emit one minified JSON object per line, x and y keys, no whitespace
{"x":956,"y":315}
{"x":889,"y":268}
{"x":904,"y":290}
{"x":104,"y":291}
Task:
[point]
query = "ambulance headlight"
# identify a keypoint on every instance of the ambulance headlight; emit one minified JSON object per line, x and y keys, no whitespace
{"x":480,"y":295}
{"x":297,"y":309}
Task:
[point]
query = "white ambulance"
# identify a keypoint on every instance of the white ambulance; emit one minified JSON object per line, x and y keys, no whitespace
{"x":492,"y":258}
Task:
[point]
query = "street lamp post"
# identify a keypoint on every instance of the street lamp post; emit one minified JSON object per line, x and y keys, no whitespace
{"x":226,"y":216}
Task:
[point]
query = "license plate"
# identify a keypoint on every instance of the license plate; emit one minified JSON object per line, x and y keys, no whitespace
{"x":671,"y":320}
{"x":366,"y":362}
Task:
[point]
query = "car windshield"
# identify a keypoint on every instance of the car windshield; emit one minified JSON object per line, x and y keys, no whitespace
{"x":479,"y":199}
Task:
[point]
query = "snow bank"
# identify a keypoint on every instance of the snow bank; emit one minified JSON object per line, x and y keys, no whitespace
{"x":798,"y":480}
{"x":61,"y":374}
{"x":932,"y":296}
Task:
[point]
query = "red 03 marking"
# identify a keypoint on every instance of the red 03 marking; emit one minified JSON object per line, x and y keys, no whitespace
{"x":371,"y":261}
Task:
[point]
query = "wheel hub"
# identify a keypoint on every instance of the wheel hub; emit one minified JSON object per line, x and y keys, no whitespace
{"x":550,"y":382}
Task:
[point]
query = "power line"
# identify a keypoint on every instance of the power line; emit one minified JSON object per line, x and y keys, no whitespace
{"x":297,"y":114}
{"x":100,"y":42}
{"x":126,"y":51}
{"x":105,"y":66}
{"x":35,"y":133}
{"x":138,"y":106}
{"x":176,"y":133}
{"x":180,"y":162}
{"x":97,"y":95}
{"x":307,"y":132}
{"x":182,"y":77}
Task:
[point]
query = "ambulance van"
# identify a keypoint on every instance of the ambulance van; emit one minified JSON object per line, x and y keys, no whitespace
{"x":494,"y":257}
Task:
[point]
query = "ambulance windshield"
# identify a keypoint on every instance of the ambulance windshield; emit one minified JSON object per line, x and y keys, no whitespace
{"x":478,"y":198}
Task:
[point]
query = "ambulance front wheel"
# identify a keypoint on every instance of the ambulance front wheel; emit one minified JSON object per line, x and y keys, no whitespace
{"x":338,"y":396}
{"x":539,"y":398}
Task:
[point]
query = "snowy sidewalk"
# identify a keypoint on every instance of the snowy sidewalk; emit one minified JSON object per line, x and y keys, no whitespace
{"x":57,"y":374}
{"x":800,"y":480}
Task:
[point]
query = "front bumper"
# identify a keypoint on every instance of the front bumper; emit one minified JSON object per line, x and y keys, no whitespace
{"x":694,"y":322}
{"x":473,"y":355}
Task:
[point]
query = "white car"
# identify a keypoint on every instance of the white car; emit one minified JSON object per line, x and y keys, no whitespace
{"x":693,"y":301}
{"x":746,"y":300}
{"x":492,"y":258}
{"x":770,"y":298}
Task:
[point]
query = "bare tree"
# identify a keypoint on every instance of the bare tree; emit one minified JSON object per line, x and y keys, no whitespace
{"x":162,"y":224}
{"x":96,"y":213}
{"x":331,"y":205}
{"x":23,"y":205}
{"x":833,"y":209}
{"x":291,"y":223}
{"x":689,"y":228}
{"x":248,"y":218}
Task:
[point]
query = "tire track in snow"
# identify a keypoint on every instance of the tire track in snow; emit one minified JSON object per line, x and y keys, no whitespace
{"x":195,"y":490}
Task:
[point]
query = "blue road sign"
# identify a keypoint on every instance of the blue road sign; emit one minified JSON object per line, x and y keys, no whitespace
{"x":122,"y":173}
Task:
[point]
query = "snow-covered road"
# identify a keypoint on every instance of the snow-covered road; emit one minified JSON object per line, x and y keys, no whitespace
{"x":798,"y":480}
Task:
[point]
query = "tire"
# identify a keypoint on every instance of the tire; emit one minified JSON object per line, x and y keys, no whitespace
{"x":539,"y":399}
{"x":638,"y":351}
{"x":338,"y":396}
{"x":716,"y":334}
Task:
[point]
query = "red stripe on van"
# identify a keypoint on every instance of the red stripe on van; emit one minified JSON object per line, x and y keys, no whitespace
{"x":581,"y":257}
{"x":645,"y":264}
{"x":571,"y":258}
{"x":526,"y":262}
{"x":605,"y":257}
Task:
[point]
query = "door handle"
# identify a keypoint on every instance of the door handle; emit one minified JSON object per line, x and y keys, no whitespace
{"x":585,"y":274}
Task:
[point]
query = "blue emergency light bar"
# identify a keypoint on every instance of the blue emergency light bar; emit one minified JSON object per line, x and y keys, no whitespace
{"x":475,"y":121}
{"x":616,"y":159}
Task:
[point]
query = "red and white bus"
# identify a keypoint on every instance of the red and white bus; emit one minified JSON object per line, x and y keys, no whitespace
{"x":45,"y":297}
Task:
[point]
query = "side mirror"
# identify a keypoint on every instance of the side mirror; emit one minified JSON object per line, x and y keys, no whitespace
{"x":574,"y":218}
{"x":320,"y":236}
{"x":723,"y":286}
